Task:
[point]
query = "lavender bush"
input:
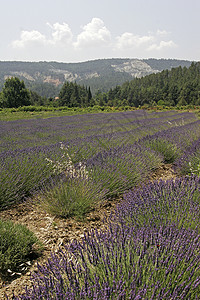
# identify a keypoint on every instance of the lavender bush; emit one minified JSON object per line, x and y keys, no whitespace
{"x":137,"y":257}
{"x":189,"y":162}
{"x":22,"y":173}
{"x":175,"y":201}
{"x":75,"y":193}
{"x":123,"y":263}
{"x":121,"y":168}
{"x":168,"y":150}
{"x":71,"y":197}
{"x":173,"y":142}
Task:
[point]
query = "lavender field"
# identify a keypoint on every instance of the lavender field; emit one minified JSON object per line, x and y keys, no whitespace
{"x":120,"y":149}
{"x":151,"y":249}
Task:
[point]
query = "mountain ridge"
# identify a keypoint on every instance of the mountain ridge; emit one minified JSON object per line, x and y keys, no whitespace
{"x":99,"y":74}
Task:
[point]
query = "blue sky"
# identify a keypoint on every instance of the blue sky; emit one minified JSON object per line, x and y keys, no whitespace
{"x":81,"y":30}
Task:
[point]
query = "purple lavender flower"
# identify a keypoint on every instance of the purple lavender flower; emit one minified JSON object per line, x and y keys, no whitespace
{"x":130,"y":260}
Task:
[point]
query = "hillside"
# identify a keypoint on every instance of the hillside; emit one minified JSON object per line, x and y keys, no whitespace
{"x":178,"y":86}
{"x":46,"y":78}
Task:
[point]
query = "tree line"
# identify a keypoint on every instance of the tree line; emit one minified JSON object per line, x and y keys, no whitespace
{"x":15,"y":94}
{"x":178,"y":87}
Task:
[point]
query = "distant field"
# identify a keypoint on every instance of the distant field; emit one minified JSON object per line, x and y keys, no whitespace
{"x":12,"y":114}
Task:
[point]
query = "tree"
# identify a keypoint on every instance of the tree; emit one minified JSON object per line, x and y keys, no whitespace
{"x":75,"y":98}
{"x":1,"y":100}
{"x":65,"y":93}
{"x":14,"y":93}
{"x":36,"y":99}
{"x":89,"y":98}
{"x":75,"y":95}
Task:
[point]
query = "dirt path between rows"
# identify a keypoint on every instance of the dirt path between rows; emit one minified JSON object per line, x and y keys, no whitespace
{"x":54,"y":232}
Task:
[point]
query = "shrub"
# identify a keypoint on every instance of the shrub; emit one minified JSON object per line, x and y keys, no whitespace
{"x":16,"y":244}
{"x":167,"y":149}
{"x":71,"y":197}
{"x":75,"y":193}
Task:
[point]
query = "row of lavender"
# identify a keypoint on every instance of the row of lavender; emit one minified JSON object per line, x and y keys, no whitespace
{"x":89,"y":128}
{"x":150,"y":250}
{"x":120,"y":149}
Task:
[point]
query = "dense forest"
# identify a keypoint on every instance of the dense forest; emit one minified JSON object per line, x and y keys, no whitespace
{"x":179,"y":86}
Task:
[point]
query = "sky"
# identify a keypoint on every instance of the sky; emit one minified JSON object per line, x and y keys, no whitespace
{"x":82,"y":30}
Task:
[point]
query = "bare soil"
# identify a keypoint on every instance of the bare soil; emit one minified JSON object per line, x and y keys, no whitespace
{"x":54,"y":232}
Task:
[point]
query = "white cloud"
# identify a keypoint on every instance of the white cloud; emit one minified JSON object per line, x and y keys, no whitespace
{"x":61,"y":33}
{"x":154,"y":41}
{"x":162,"y":45}
{"x":162,"y":32}
{"x":129,"y":40}
{"x":28,"y":38}
{"x":94,"y":34}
